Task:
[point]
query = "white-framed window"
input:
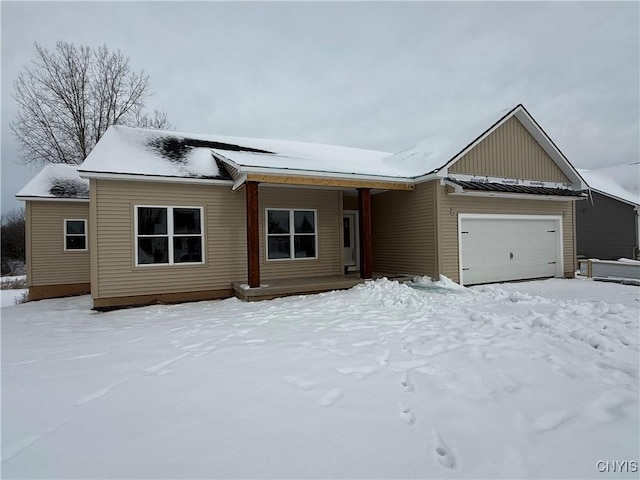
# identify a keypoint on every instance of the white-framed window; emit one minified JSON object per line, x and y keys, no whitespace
{"x":291,"y":233}
{"x":168,"y":235}
{"x":75,"y":235}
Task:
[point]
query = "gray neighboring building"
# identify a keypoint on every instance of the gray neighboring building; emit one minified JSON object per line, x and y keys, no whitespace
{"x":607,"y":224}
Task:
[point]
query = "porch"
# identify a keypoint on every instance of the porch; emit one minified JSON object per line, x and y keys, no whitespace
{"x":270,"y":289}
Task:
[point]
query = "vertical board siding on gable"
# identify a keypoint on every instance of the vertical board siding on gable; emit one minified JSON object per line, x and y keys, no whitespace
{"x":224,"y":238}
{"x":453,"y":205}
{"x":49,"y":263}
{"x":328,"y":206}
{"x":404,"y":231}
{"x":606,"y":228}
{"x":510,"y":152}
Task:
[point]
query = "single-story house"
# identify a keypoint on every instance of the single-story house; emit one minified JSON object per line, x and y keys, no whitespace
{"x":607,"y":224}
{"x":175,"y":216}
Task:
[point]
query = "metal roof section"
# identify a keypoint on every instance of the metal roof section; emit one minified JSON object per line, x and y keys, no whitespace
{"x":479,"y":188}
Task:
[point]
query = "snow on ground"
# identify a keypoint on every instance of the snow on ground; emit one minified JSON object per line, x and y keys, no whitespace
{"x":522,"y":380}
{"x":8,"y":298}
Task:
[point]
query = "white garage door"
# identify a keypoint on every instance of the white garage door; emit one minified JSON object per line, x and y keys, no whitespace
{"x":496,"y":248}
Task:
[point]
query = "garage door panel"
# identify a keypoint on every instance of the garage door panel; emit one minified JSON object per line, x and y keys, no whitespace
{"x":502,"y":249}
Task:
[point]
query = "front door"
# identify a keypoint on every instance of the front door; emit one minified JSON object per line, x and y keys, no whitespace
{"x":350,"y":241}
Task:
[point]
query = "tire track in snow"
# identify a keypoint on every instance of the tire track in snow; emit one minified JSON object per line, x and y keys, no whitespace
{"x":100,"y":393}
{"x":158,"y":368}
{"x":15,"y":448}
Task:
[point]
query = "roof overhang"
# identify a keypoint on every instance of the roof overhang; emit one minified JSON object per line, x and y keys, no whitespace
{"x":151,"y":178}
{"x":286,"y":176}
{"x":50,"y":199}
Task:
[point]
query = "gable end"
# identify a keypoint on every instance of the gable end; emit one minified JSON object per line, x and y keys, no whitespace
{"x":510,"y":152}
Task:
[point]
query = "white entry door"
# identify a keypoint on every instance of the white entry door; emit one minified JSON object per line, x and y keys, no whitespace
{"x":495,"y":248}
{"x":350,"y":240}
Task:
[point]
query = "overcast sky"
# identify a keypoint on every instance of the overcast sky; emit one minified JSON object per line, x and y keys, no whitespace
{"x":371,"y":75}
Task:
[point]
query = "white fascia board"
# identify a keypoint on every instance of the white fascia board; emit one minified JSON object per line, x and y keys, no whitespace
{"x":524,"y":196}
{"x":134,"y":177}
{"x":436,"y":175}
{"x":242,"y":178}
{"x":50,"y":199}
{"x":228,"y":161}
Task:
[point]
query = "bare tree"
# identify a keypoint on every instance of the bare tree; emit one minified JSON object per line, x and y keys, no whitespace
{"x":12,"y":240}
{"x":69,"y":97}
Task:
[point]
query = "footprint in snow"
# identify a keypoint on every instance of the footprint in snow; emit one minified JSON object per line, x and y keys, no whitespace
{"x":405,"y":383}
{"x":359,"y":372}
{"x":383,"y":360}
{"x":407,"y":415}
{"x":443,"y":454}
{"x":364,"y":343}
{"x":331,"y":397}
{"x":297,"y":382}
{"x":552,"y":420}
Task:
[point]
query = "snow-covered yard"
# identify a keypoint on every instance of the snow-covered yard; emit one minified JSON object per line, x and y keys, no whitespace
{"x":525,"y":380}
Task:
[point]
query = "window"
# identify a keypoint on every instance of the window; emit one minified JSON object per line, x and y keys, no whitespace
{"x":75,"y":235}
{"x":291,"y":234}
{"x":168,"y":235}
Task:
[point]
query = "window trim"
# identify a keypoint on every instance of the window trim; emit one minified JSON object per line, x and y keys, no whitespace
{"x":65,"y":235}
{"x":170,"y":235}
{"x":291,"y":233}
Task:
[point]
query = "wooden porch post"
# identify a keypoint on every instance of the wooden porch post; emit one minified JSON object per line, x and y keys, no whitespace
{"x":253,"y":234}
{"x":366,"y":254}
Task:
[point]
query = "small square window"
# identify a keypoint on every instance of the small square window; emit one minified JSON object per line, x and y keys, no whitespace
{"x":75,"y":235}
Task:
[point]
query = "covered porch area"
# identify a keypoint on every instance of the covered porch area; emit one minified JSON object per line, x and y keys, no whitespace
{"x":295,"y":232}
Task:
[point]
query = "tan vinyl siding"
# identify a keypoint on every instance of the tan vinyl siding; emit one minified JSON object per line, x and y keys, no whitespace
{"x":350,"y":202}
{"x":329,"y":220}
{"x":48,"y":262}
{"x":224,"y":238}
{"x":510,"y":152}
{"x":404,"y":231}
{"x":452,"y":205}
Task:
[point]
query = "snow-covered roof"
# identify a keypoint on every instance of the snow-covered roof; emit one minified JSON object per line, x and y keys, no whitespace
{"x":620,"y":181}
{"x":139,"y":151}
{"x":155,"y":153}
{"x":128,"y":150}
{"x":56,"y":181}
{"x":435,"y":151}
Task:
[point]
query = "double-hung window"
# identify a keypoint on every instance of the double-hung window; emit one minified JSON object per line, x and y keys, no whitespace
{"x":75,"y":235}
{"x":168,"y":235}
{"x":291,"y":234}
